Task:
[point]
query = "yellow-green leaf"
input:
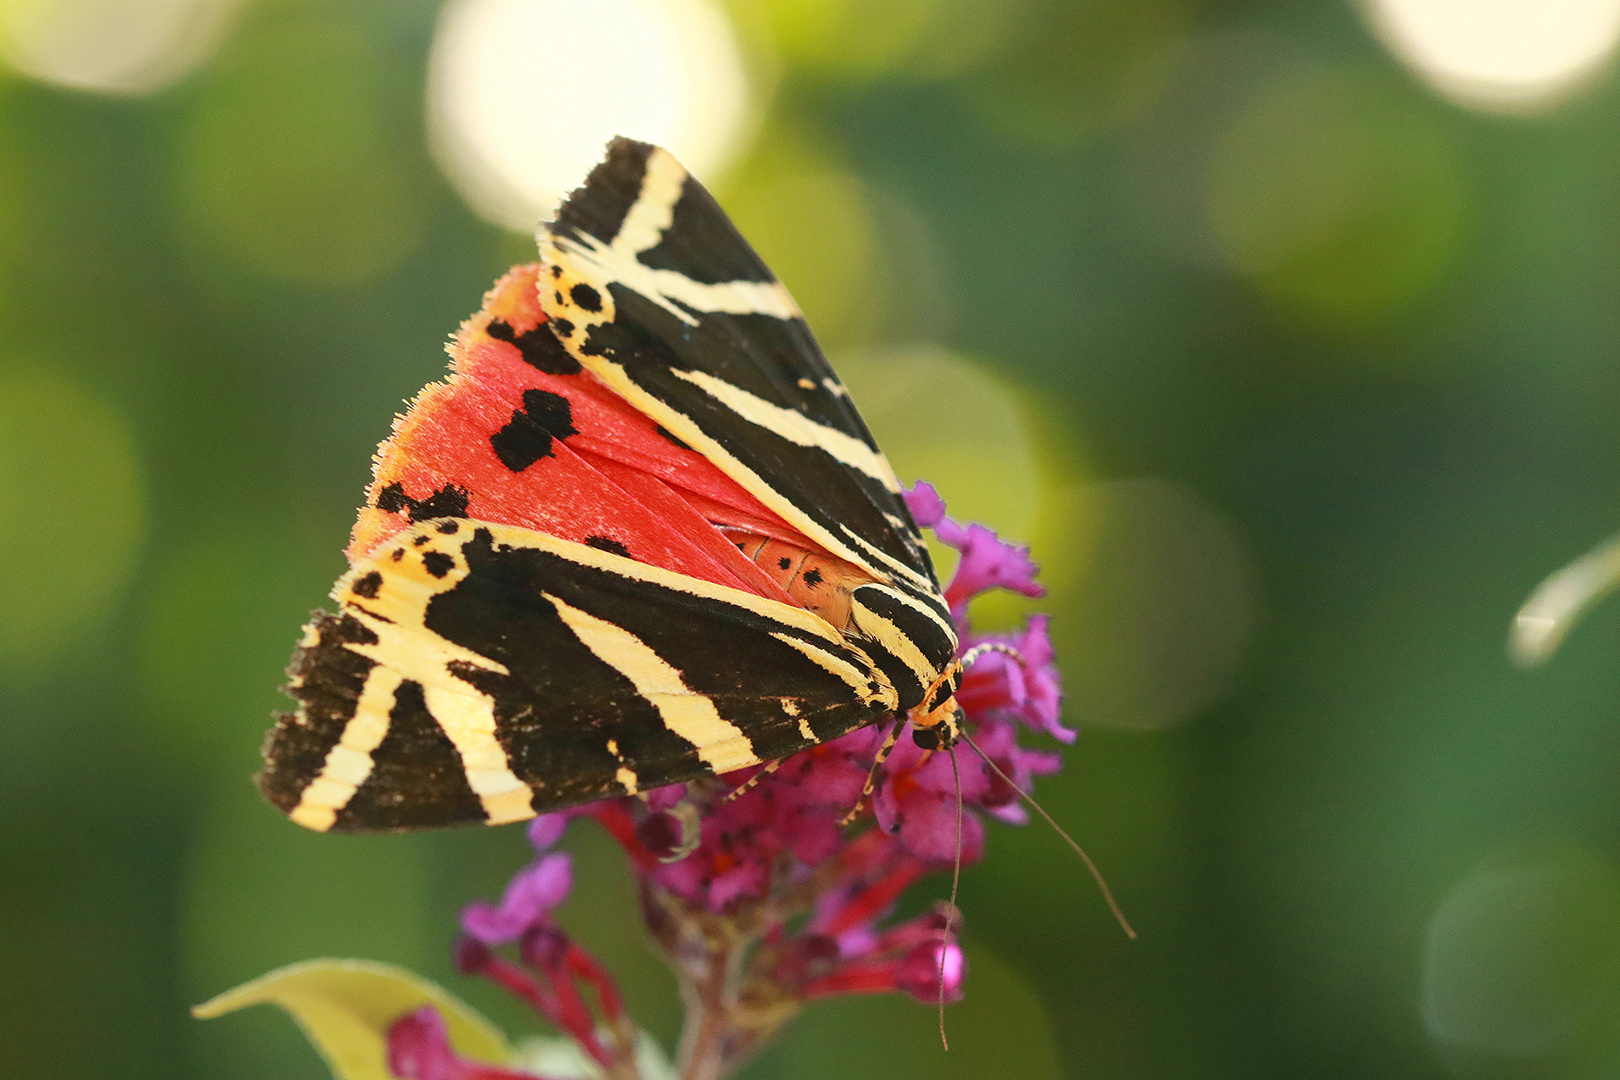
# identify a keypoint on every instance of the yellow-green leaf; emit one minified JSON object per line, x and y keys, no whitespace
{"x":346,"y":1006}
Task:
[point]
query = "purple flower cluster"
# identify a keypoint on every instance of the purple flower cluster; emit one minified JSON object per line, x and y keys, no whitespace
{"x":781,"y":900}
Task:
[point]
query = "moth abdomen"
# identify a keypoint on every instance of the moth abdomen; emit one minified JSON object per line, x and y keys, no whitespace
{"x":816,"y":581}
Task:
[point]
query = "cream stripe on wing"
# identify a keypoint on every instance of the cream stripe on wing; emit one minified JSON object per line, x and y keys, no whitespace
{"x":621,"y":566}
{"x":625,"y":775}
{"x":919,"y":605}
{"x":892,"y":640}
{"x":413,"y":652}
{"x":468,"y":720}
{"x":349,"y":762}
{"x":600,"y":265}
{"x":857,"y":679}
{"x":644,"y":225}
{"x":872,"y":552}
{"x":720,"y":744}
{"x":654,"y":209}
{"x":794,"y":426}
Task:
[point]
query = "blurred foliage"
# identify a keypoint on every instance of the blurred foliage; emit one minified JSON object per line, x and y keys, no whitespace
{"x":1297,"y":378}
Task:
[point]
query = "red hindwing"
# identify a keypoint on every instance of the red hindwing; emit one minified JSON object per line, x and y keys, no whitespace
{"x":520,"y":435}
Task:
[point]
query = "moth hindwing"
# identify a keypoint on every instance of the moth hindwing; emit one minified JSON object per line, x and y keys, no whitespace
{"x":640,"y":535}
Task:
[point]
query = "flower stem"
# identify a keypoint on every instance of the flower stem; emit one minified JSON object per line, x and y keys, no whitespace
{"x":703,"y":1039}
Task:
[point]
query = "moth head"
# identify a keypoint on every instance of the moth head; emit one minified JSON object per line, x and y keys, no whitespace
{"x":939,"y":729}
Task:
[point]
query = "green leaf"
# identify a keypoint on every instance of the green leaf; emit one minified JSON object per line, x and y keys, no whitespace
{"x":346,"y":1006}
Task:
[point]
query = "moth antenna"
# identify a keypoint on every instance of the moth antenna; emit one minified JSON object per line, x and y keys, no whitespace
{"x":871,"y":776}
{"x":950,"y":912}
{"x":990,"y":647}
{"x":1096,"y":875}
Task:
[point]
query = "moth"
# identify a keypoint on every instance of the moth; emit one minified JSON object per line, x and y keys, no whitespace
{"x":640,"y":535}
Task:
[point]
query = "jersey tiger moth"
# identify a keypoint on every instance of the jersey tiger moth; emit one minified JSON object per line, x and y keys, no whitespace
{"x":640,"y":535}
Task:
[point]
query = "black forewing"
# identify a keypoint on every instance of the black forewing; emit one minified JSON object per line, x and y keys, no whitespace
{"x":495,"y":613}
{"x":561,"y":703}
{"x":701,"y":328}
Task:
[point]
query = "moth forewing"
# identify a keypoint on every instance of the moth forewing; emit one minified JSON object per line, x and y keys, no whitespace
{"x":495,"y":672}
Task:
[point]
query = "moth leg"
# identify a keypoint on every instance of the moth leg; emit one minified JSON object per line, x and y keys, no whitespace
{"x":770,"y":767}
{"x":871,"y":777}
{"x":686,"y":815}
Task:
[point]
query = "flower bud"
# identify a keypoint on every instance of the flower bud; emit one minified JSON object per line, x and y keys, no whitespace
{"x":471,"y":955}
{"x":543,"y":947}
{"x":923,"y":969}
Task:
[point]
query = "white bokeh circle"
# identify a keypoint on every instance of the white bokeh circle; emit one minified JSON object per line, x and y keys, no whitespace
{"x":524,"y":94}
{"x":120,"y":47}
{"x":1511,"y":55}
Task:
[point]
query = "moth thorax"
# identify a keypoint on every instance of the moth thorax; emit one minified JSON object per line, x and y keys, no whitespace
{"x":911,"y":641}
{"x":816,"y":581}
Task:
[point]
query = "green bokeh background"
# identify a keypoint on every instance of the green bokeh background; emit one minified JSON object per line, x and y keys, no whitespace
{"x":1297,"y":377}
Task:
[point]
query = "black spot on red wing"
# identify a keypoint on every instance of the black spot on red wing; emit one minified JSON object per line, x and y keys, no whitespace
{"x":394,"y":500}
{"x":368,"y":585}
{"x":438,"y":563}
{"x":784,"y":562}
{"x":812,"y":578}
{"x":564,"y":327}
{"x":586,"y":297}
{"x":448,"y":501}
{"x":527,"y":436}
{"x":607,"y":544}
{"x":671,"y":437}
{"x":539,"y":348}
